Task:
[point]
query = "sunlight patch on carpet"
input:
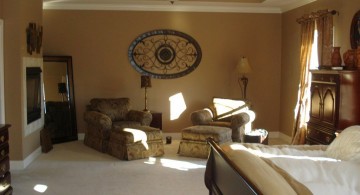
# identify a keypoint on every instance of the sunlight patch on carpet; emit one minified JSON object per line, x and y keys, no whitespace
{"x":151,"y":161}
{"x":175,"y":164}
{"x":40,"y":188}
{"x":180,"y":165}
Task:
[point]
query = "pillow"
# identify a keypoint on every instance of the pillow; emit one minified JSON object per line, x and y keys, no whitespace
{"x":346,"y":146}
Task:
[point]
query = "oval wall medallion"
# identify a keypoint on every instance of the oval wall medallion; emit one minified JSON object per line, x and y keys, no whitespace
{"x":164,"y":54}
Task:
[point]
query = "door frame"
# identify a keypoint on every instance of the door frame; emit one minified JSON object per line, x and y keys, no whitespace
{"x":2,"y":86}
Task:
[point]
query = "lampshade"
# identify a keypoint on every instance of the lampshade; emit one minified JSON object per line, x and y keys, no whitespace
{"x":243,"y":66}
{"x":145,"y":81}
{"x":62,"y":88}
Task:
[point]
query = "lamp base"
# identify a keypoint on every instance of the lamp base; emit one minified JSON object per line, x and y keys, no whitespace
{"x":243,"y":81}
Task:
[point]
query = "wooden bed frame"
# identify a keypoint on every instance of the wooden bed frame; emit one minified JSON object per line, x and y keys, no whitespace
{"x":223,"y":177}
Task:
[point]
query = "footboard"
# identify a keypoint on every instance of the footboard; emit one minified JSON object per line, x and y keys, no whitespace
{"x":222,"y":176}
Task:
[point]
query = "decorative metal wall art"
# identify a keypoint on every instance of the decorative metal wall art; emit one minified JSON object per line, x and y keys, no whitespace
{"x":355,"y":31}
{"x":164,"y":54}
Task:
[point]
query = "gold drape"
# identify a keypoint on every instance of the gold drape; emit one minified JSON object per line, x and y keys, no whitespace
{"x":324,"y":22}
{"x":302,"y":107}
{"x":324,"y":27}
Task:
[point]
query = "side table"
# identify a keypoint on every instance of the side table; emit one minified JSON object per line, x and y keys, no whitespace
{"x":156,"y":120}
{"x":256,"y":136}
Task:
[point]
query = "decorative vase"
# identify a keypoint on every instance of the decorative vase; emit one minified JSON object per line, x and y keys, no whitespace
{"x":350,"y":59}
{"x":336,"y":57}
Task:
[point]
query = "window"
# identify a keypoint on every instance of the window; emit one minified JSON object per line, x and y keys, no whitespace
{"x":314,"y":59}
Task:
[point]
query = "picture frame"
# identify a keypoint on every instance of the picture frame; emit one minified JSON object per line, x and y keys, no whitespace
{"x":355,"y":31}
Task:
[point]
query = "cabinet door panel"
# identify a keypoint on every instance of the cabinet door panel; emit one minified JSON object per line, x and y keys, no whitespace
{"x":315,"y":106}
{"x":329,"y":105}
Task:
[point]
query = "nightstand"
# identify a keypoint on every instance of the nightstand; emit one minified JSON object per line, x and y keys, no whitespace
{"x":156,"y":120}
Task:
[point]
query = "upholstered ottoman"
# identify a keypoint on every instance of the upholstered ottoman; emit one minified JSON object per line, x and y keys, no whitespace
{"x":135,"y":143}
{"x":193,"y":139}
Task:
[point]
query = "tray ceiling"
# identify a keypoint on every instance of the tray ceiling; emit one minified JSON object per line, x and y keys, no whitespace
{"x":244,"y":6}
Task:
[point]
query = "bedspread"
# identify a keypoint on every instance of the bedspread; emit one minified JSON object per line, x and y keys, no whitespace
{"x":307,"y":165}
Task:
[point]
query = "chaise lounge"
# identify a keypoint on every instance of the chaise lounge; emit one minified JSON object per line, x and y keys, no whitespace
{"x":225,"y":121}
{"x":233,"y":114}
{"x":124,"y":133}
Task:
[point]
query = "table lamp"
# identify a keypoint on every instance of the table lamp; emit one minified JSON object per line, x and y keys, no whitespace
{"x":145,"y":83}
{"x":243,"y":67}
{"x":62,"y":90}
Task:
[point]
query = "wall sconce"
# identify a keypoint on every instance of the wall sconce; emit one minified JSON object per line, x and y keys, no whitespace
{"x":145,"y":83}
{"x":243,"y":67}
{"x":62,"y":90}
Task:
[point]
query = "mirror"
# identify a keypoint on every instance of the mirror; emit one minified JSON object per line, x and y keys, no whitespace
{"x":60,"y":115}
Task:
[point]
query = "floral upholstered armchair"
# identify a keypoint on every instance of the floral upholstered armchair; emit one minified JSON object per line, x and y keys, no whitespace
{"x":234,"y":114}
{"x":104,"y":114}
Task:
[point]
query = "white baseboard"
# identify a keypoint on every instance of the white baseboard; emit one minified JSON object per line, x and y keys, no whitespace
{"x":22,"y":164}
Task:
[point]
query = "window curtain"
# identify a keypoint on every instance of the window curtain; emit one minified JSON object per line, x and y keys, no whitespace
{"x":302,"y":107}
{"x":323,"y":21}
{"x":324,"y":26}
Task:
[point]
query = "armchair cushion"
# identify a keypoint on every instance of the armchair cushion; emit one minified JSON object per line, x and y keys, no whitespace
{"x":142,"y":117}
{"x":219,"y":123}
{"x":116,"y":108}
{"x":125,"y":124}
{"x":98,"y":119}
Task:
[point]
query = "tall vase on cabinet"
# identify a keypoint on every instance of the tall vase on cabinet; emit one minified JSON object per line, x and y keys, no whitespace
{"x":336,"y":57}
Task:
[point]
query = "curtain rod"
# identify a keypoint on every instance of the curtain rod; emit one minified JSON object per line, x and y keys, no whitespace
{"x":315,"y":15}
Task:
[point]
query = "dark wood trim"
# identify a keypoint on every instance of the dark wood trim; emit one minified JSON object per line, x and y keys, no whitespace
{"x":222,"y":176}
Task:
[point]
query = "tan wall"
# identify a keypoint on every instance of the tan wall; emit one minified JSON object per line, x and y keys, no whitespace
{"x":17,"y":15}
{"x":98,"y":41}
{"x":290,"y":69}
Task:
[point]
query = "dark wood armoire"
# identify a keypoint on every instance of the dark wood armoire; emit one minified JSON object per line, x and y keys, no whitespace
{"x":5,"y":175}
{"x":335,"y":104}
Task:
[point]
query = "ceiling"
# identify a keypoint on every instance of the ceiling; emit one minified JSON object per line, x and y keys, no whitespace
{"x":241,"y":6}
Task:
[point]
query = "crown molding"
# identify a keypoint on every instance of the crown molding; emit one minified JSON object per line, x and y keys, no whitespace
{"x":295,"y":5}
{"x":177,"y":6}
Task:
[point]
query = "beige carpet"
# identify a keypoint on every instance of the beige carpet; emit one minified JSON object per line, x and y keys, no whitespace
{"x":72,"y":168}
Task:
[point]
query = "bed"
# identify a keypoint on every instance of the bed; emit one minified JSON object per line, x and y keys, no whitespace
{"x":241,"y":168}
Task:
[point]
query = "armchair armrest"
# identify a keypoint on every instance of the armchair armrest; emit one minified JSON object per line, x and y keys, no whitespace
{"x":98,"y":120}
{"x":241,"y":123}
{"x":201,"y":117}
{"x":142,"y":117}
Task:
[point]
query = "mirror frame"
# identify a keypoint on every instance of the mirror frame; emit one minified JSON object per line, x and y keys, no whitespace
{"x":69,"y":71}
